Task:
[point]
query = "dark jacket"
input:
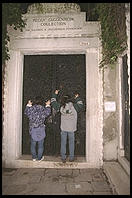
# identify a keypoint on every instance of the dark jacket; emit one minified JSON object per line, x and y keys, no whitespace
{"x":78,"y":104}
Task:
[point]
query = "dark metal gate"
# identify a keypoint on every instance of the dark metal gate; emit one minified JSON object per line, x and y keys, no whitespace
{"x":125,"y":108}
{"x":43,"y":74}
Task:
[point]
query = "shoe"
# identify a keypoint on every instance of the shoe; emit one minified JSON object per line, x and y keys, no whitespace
{"x":41,"y":159}
{"x":34,"y":160}
{"x":63,"y":160}
{"x":71,"y":160}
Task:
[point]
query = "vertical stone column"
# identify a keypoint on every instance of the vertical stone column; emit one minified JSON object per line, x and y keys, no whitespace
{"x":93,"y":129}
{"x":13,"y":110}
{"x":4,"y":113}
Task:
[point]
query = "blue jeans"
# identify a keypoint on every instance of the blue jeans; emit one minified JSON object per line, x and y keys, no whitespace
{"x":40,"y":149}
{"x":64,"y":135}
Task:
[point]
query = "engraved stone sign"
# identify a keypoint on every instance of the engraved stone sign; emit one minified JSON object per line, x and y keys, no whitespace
{"x":54,"y":23}
{"x":56,"y":20}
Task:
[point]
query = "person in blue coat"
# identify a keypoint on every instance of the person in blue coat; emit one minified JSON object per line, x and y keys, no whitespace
{"x":68,"y":110}
{"x":37,"y":113}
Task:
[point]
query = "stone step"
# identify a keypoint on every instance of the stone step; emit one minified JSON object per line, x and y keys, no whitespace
{"x":25,"y":161}
{"x":118,"y":178}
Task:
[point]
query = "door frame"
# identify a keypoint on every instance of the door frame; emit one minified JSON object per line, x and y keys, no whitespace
{"x":121,"y":153}
{"x":13,"y":107}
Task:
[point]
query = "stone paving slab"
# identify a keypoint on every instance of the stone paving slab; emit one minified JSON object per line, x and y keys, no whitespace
{"x":75,"y":172}
{"x":91,"y":170}
{"x":98,"y":177}
{"x":9,"y":171}
{"x":64,"y":171}
{"x":83,"y":177}
{"x":51,"y":172}
{"x":30,"y":171}
{"x":103,"y":193}
{"x":79,"y":188}
{"x":100,"y":186}
{"x":54,"y":182}
{"x":53,"y":187}
{"x":59,"y":179}
{"x":16,"y":189}
{"x":119,"y":179}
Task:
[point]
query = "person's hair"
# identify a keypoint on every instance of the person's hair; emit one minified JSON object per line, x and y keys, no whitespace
{"x":76,"y":92}
{"x":65,"y":99}
{"x":38,"y":100}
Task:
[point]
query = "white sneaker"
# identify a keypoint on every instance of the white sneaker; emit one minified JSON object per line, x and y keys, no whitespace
{"x":41,"y":159}
{"x":34,"y":160}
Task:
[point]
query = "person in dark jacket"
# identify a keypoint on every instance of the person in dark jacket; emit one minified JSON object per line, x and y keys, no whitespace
{"x":68,"y":110}
{"x":37,"y":114}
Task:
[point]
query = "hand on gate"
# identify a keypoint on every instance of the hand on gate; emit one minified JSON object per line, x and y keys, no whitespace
{"x":76,"y":95}
{"x":57,"y":91}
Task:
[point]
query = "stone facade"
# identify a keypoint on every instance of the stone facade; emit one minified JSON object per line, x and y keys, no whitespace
{"x":60,"y":8}
{"x":110,"y":129}
{"x":113,"y":145}
{"x":53,"y":33}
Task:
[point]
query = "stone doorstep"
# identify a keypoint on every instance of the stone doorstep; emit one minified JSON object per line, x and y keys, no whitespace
{"x":21,"y":163}
{"x":119,"y":180}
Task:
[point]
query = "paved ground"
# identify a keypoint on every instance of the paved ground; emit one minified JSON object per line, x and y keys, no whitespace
{"x":39,"y":181}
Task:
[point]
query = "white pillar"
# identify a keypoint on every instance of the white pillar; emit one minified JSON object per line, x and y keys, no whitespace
{"x":94,"y":147}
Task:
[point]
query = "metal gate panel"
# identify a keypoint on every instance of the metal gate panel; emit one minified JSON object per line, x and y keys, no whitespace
{"x":42,"y":75}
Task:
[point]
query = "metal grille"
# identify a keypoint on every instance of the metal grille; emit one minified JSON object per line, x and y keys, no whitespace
{"x":42,"y":75}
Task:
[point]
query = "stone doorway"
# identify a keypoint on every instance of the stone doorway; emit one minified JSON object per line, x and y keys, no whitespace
{"x":93,"y":140}
{"x":42,"y":75}
{"x":43,"y":35}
